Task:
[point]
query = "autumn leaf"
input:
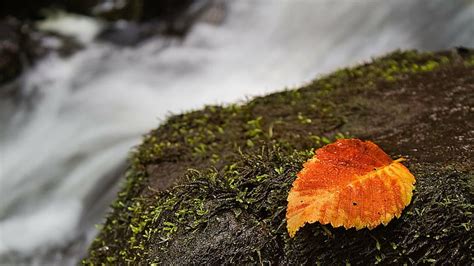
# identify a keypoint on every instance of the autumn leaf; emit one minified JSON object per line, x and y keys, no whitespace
{"x":350,"y":183}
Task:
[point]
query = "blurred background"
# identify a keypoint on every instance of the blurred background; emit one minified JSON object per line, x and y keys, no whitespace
{"x":82,"y":80}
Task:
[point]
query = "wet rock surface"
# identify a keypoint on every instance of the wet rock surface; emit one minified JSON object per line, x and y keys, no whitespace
{"x":232,"y":168}
{"x":429,"y":122}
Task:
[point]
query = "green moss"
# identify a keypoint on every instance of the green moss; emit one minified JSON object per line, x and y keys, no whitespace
{"x":469,"y":61}
{"x":242,"y":158}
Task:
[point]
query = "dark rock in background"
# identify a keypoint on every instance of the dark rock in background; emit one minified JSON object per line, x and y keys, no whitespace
{"x":131,"y":22}
{"x":130,"y":10}
{"x":130,"y":33}
{"x":21,"y":45}
{"x":32,"y":9}
{"x":168,"y":19}
{"x":10,"y":49}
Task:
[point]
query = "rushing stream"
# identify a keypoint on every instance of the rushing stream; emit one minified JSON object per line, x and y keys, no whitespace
{"x":62,"y":152}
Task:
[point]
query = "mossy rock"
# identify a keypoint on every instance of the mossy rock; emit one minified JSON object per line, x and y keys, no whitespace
{"x":210,"y":186}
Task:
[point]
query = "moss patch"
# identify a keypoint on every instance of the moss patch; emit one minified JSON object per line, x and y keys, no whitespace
{"x":210,"y":186}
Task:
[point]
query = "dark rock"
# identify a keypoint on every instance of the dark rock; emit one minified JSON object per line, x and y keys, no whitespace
{"x":23,"y":9}
{"x":134,"y":10}
{"x":32,"y":9}
{"x":131,"y":33}
{"x":176,"y":22}
{"x":229,"y":171}
{"x":10,"y":49}
{"x":165,"y":9}
{"x":21,"y":46}
{"x":136,"y":20}
{"x":130,"y":10}
{"x":181,"y":20}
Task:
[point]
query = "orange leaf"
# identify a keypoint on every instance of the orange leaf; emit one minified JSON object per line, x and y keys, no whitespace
{"x":350,"y":183}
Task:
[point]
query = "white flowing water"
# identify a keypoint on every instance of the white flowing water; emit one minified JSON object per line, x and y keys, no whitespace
{"x":60,"y":156}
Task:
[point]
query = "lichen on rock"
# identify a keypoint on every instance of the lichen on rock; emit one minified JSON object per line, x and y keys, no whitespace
{"x":210,"y":186}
